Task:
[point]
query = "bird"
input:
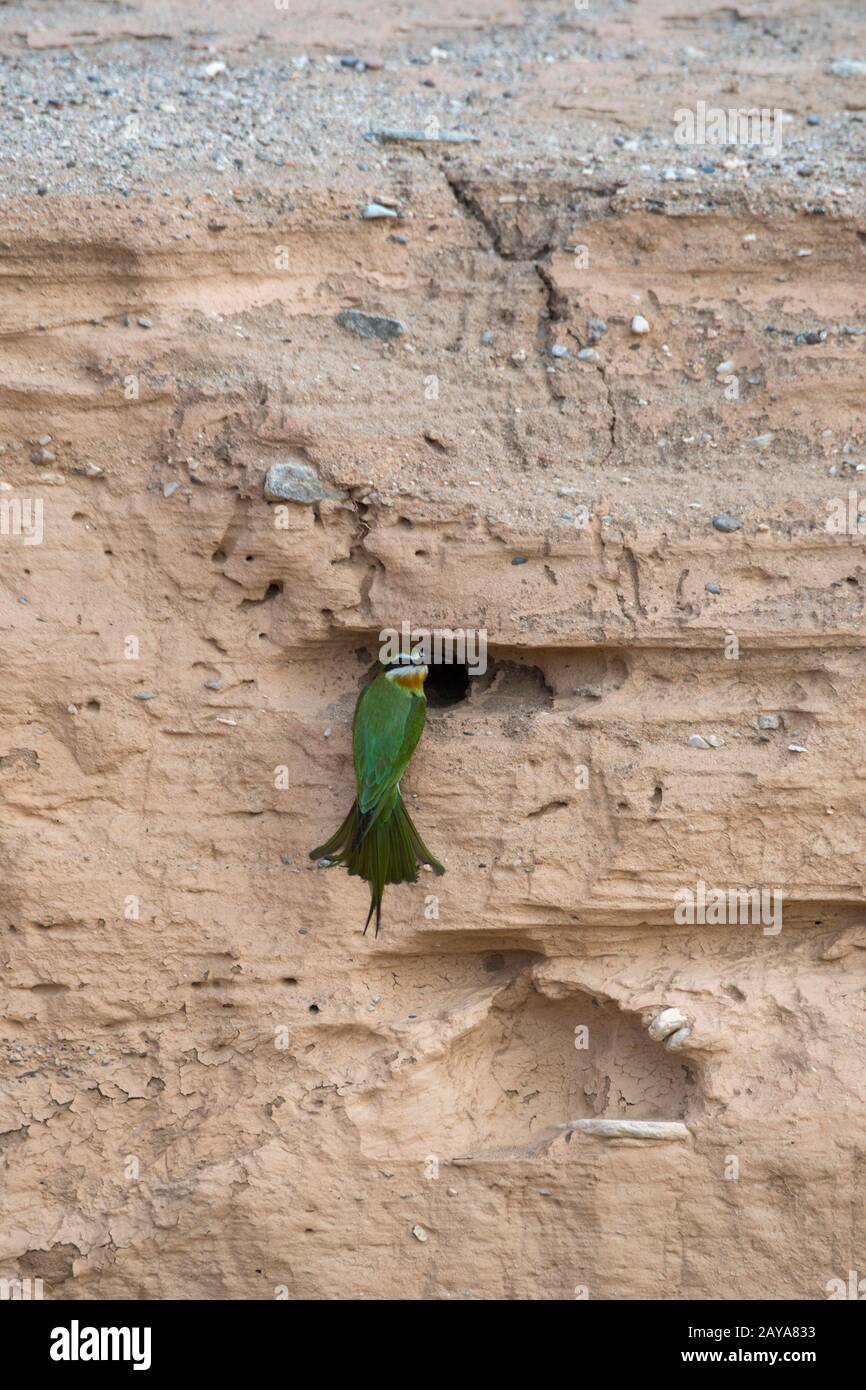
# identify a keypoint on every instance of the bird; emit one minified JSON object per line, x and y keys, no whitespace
{"x":378,"y":841}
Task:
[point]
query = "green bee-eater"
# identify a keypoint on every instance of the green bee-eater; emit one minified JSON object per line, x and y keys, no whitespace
{"x":377,"y":840}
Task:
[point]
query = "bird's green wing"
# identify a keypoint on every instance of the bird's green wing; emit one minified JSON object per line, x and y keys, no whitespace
{"x":388,"y":724}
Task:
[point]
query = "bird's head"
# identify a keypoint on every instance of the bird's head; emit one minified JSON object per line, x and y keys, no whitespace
{"x":407,"y":671}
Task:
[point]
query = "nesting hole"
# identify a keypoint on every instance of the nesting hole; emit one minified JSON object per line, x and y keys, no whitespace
{"x":447,"y":684}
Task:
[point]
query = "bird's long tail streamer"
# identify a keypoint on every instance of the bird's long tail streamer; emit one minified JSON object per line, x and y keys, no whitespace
{"x":381,"y":849}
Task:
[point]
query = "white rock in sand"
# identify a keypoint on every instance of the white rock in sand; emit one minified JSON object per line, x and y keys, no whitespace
{"x":667,"y":1022}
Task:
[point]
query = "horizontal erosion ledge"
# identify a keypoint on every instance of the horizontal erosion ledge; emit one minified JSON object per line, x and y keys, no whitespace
{"x":503,"y":642}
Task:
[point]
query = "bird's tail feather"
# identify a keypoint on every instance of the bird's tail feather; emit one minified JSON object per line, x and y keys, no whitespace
{"x":381,"y":849}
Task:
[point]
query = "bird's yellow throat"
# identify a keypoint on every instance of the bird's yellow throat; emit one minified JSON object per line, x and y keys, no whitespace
{"x":408,"y":677}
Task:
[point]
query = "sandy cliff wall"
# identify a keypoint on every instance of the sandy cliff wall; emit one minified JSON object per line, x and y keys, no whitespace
{"x":213,"y":1085}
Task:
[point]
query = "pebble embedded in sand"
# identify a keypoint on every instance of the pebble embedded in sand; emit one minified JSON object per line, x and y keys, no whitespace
{"x":666,"y":1023}
{"x":374,"y":211}
{"x":370,"y":325}
{"x":723,"y":522}
{"x":848,"y":67}
{"x":630,"y":1129}
{"x":431,"y":136}
{"x":296,"y":482}
{"x":639,"y":324}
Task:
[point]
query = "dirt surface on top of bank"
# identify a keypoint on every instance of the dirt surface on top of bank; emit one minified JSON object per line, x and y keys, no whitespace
{"x":152,"y":98}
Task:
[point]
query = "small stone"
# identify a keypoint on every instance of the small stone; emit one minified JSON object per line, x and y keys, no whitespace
{"x":723,"y":522}
{"x":558,"y":350}
{"x":144,"y":322}
{"x":487,"y":337}
{"x":665,"y":1024}
{"x":768,"y":721}
{"x":432,"y":136}
{"x":375,"y":210}
{"x":419,"y":1233}
{"x":212,"y":70}
{"x":519,"y":357}
{"x":714,"y":741}
{"x":370,"y":325}
{"x":144,"y":694}
{"x":42,"y":455}
{"x":713,"y":588}
{"x":761,"y":440}
{"x":297,"y":482}
{"x":52,"y":479}
{"x":639,"y":324}
{"x":214,"y":226}
{"x":696,"y":741}
{"x":596,"y":329}
{"x":848,"y":67}
{"x":813,"y":120}
{"x":811,"y":336}
{"x":519,"y":560}
{"x":724,"y":367}
{"x":588,"y":355}
{"x":213,"y":685}
{"x":797,"y":748}
{"x":170,"y":489}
